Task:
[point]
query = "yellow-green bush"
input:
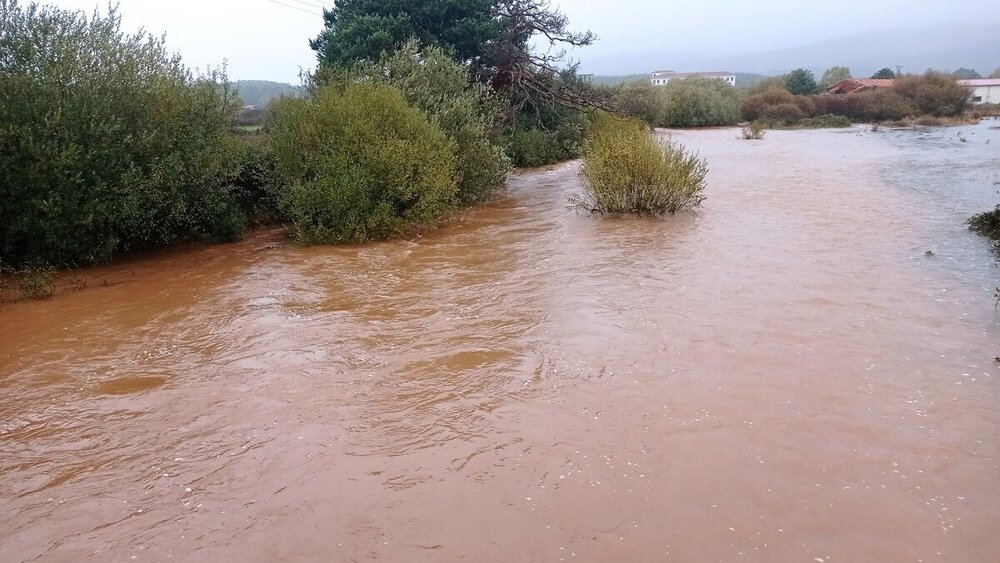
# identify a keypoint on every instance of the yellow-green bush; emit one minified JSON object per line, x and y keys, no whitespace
{"x":359,"y":164}
{"x":626,"y":169}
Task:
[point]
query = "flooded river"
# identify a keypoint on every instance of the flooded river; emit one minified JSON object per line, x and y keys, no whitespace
{"x":782,"y":375}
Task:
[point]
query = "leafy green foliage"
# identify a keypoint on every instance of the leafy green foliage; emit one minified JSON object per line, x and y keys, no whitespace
{"x":627,"y":170}
{"x":700,"y":103}
{"x":884,"y":73}
{"x":464,"y":109}
{"x":256,"y":185}
{"x":559,"y":137}
{"x":682,"y":103}
{"x":801,"y":82}
{"x":366,"y":30}
{"x":107,"y":143}
{"x":643,"y":101}
{"x":360,"y":164}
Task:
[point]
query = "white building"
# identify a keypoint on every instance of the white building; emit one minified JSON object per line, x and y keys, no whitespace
{"x":984,"y":90}
{"x":662,"y":77}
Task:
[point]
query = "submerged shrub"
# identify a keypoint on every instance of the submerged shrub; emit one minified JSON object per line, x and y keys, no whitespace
{"x":754,"y":131}
{"x":359,"y":164}
{"x":627,"y":170}
{"x":35,"y":281}
{"x":107,"y":142}
{"x":987,"y":224}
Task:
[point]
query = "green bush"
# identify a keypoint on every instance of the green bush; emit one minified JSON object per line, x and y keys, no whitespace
{"x":627,"y":170}
{"x":256,"y":186}
{"x":700,"y":103}
{"x":359,"y":164}
{"x":641,"y":100}
{"x":692,"y":102}
{"x":465,"y":110}
{"x":558,"y":138}
{"x":801,"y":82}
{"x":107,"y":142}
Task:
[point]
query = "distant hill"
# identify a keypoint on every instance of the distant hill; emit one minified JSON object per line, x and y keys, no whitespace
{"x":260,"y":92}
{"x":943,"y":47}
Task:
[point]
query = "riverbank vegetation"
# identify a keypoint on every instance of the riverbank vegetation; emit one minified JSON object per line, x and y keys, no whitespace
{"x":795,"y":101}
{"x":112,"y":145}
{"x":628,"y":170}
{"x":987,"y":224}
{"x":910,"y":97}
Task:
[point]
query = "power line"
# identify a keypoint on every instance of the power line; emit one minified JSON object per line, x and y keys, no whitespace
{"x":294,"y":7}
{"x":311,"y":4}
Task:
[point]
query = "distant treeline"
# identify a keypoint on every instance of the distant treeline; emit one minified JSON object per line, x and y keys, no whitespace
{"x":260,"y":92}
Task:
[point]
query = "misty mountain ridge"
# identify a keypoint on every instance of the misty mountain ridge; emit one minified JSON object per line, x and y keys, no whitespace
{"x":941,"y":47}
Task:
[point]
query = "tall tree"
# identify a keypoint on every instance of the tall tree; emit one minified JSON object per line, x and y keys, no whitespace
{"x":492,"y":36}
{"x":801,"y":82}
{"x":364,"y":30}
{"x":884,"y":73}
{"x":834,"y":75}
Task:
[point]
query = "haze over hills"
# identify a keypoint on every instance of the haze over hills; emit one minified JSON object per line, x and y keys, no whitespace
{"x":260,"y":92}
{"x":942,"y":47}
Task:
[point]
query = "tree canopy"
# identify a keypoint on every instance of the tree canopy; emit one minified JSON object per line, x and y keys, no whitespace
{"x":364,"y":30}
{"x":834,"y":75}
{"x":492,"y":36}
{"x":885,"y":72}
{"x":801,"y":82}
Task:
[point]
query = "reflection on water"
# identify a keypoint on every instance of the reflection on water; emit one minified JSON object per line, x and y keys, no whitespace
{"x":781,"y":375}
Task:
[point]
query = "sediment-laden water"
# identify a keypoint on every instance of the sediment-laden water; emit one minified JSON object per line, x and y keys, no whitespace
{"x":783,"y":375}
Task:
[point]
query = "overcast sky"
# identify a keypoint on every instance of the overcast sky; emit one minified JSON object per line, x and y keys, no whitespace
{"x":268,"y":39}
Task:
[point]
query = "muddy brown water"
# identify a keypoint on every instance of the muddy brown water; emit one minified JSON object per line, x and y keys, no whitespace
{"x":783,"y":375}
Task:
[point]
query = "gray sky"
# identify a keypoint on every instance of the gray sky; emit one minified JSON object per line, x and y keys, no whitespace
{"x":264,"y":40}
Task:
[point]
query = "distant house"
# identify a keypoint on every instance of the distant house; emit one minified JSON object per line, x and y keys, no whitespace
{"x":984,"y":90}
{"x":855,"y":85}
{"x":662,"y":77}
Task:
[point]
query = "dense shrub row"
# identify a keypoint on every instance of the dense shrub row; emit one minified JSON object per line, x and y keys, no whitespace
{"x":932,"y":93}
{"x":107,"y":142}
{"x":682,"y":103}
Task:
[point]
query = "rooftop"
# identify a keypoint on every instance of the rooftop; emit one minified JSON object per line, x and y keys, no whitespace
{"x":981,"y":82}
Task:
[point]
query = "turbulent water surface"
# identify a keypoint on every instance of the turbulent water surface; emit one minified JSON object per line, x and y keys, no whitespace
{"x":783,"y":375}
